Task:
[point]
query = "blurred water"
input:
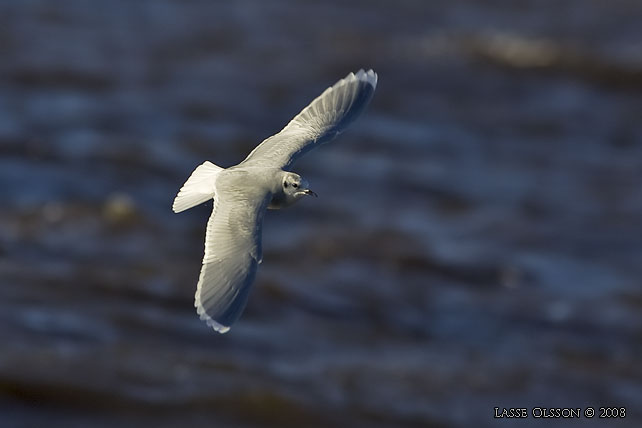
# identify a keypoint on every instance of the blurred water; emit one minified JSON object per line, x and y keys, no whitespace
{"x":476,"y":243}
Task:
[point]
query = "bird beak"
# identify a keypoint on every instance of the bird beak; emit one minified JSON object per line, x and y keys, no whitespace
{"x":310,"y":193}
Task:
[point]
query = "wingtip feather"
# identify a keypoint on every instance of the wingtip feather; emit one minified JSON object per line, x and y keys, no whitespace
{"x":369,"y":76}
{"x":218,"y":327}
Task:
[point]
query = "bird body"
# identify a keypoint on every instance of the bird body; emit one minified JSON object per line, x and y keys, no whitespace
{"x":243,"y":193}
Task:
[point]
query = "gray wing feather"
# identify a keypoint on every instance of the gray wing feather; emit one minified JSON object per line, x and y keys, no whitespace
{"x":232,"y":255}
{"x":325,"y":117}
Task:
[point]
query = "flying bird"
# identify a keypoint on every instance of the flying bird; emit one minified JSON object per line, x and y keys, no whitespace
{"x":242,"y":193}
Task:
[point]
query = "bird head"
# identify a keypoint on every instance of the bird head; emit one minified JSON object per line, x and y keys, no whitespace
{"x":295,"y":187}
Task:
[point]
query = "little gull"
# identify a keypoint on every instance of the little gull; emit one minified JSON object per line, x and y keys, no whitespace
{"x":243,"y":192}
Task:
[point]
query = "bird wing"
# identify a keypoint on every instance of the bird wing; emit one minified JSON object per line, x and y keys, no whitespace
{"x":327,"y":116}
{"x":232,"y":254}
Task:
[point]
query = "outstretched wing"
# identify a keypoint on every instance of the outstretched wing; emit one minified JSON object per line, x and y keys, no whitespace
{"x":232,"y":255}
{"x":328,"y":115}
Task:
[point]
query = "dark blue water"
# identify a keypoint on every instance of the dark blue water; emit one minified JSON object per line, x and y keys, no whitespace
{"x":477,"y":242}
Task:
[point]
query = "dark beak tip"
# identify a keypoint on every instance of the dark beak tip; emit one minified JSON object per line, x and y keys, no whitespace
{"x":311,"y":193}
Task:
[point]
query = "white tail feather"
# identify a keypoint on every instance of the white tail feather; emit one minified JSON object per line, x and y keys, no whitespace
{"x":198,"y":188}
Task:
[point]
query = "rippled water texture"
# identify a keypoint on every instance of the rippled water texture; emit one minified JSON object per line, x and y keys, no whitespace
{"x":477,"y":241}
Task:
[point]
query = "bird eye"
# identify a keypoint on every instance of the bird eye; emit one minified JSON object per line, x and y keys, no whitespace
{"x":285,"y":184}
{"x":295,"y":185}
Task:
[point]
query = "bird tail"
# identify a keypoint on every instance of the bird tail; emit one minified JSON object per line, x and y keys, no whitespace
{"x":198,"y":188}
